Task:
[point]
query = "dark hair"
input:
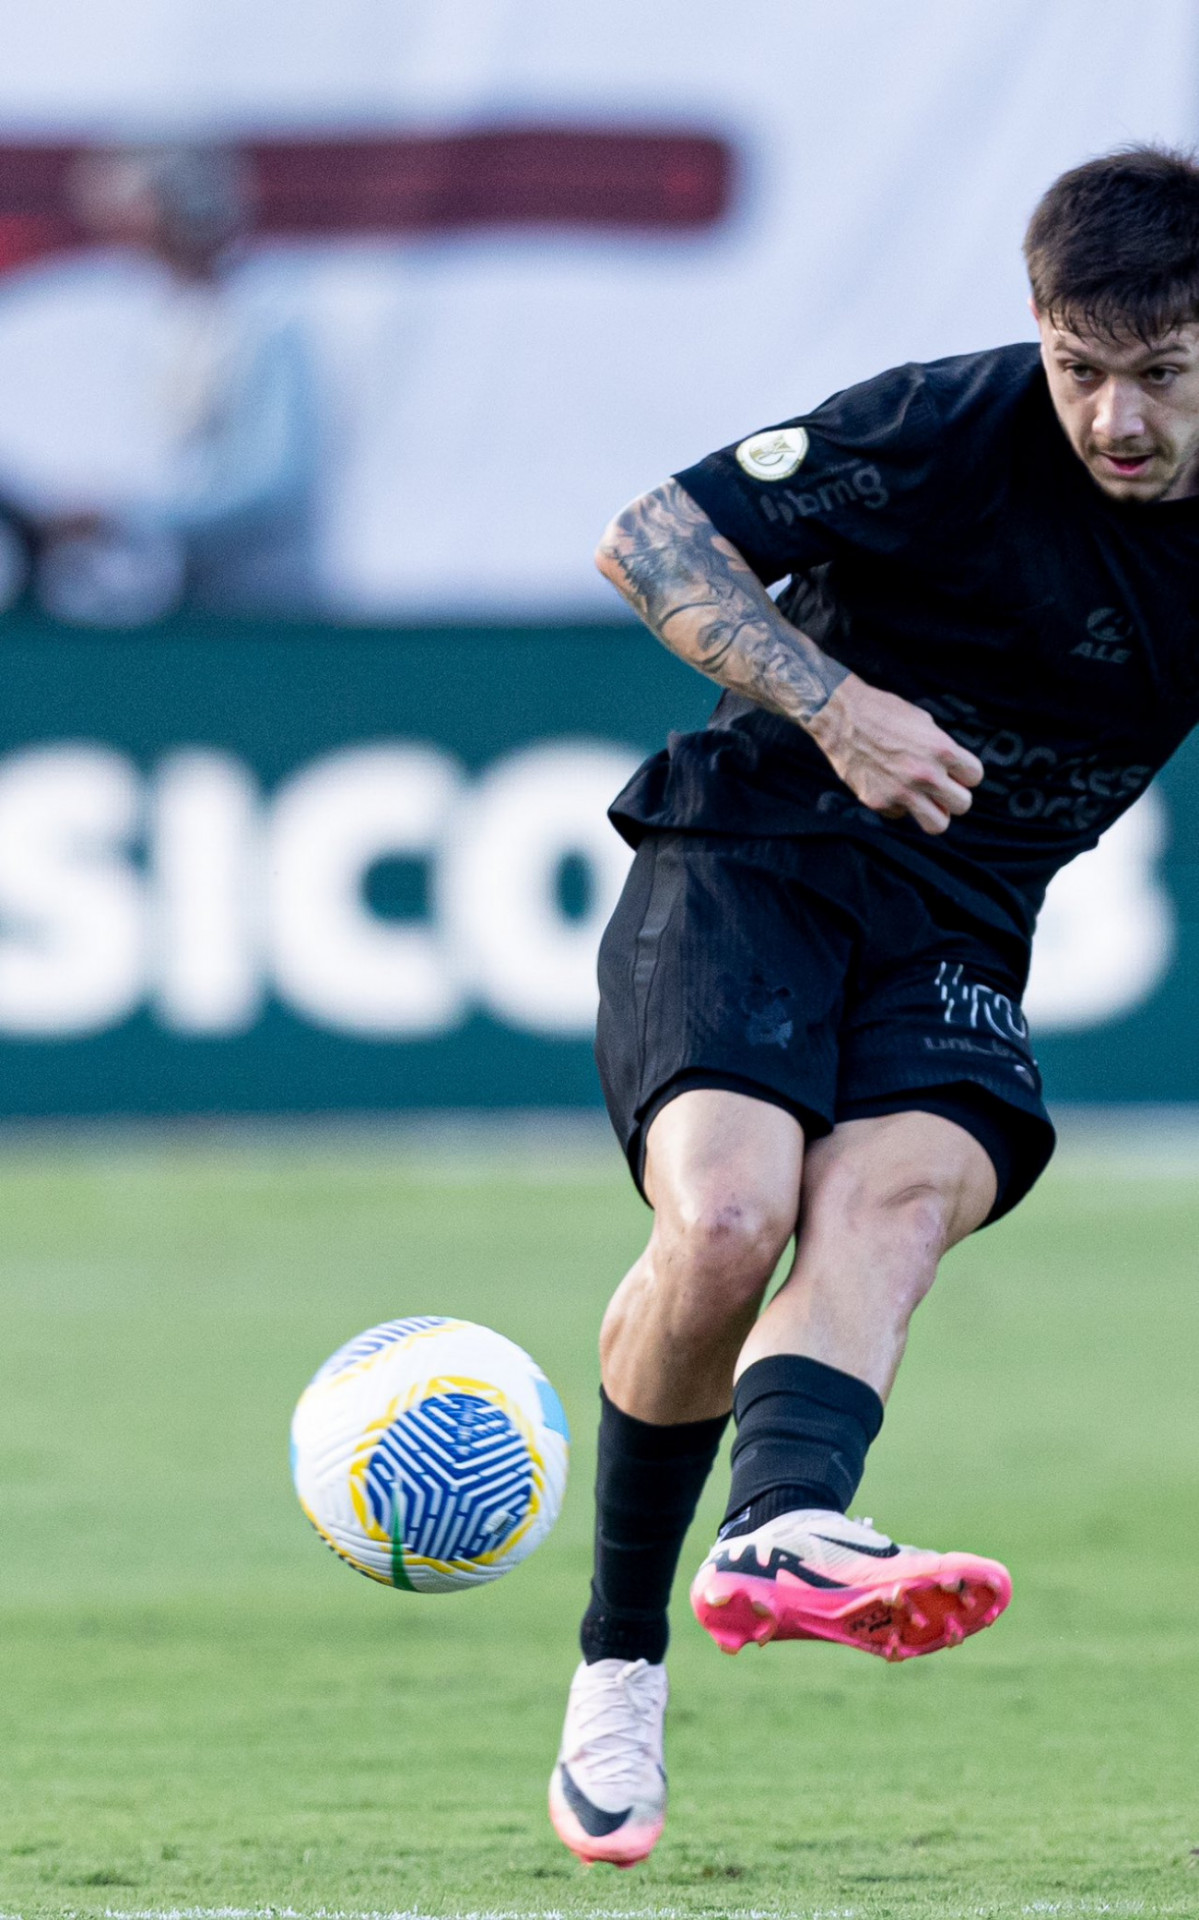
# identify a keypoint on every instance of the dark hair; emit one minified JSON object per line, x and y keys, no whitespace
{"x":1113,"y":246}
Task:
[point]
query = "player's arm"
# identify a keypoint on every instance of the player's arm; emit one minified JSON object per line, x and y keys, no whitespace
{"x":703,"y":601}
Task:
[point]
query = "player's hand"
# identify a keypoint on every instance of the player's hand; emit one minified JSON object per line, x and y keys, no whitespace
{"x":894,"y":756}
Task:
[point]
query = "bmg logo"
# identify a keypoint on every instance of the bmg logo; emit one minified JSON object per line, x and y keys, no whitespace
{"x":855,"y":485}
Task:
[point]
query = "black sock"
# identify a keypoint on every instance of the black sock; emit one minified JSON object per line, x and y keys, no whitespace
{"x":647,"y":1485}
{"x":803,"y":1430}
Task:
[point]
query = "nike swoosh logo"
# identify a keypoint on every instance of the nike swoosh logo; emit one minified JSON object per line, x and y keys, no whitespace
{"x":724,"y":1562}
{"x":851,"y":1546}
{"x":591,"y":1818}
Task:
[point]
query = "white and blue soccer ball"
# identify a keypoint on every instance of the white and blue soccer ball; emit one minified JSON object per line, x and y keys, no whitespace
{"x":431,"y":1454}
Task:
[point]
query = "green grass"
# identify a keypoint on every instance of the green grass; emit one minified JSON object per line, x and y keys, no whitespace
{"x":201,"y":1708}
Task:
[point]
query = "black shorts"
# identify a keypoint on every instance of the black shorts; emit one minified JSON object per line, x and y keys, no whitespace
{"x":811,"y":974}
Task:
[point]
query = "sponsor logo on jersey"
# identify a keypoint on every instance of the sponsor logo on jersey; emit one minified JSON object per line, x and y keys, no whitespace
{"x":774,"y":455}
{"x":853,"y":484}
{"x":1111,"y":635}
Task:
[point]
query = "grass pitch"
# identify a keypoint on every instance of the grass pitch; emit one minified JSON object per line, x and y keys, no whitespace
{"x":201,"y":1709}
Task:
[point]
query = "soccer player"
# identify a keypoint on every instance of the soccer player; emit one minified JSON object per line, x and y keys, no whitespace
{"x":810,"y":1023}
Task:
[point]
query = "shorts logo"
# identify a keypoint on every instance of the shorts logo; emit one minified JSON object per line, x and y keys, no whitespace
{"x":762,"y":1012}
{"x":774,"y":455}
{"x":968,"y":1003}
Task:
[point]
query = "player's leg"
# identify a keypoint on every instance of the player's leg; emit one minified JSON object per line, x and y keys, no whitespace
{"x":883,"y":1199}
{"x":720,"y":987}
{"x":723,"y":1172}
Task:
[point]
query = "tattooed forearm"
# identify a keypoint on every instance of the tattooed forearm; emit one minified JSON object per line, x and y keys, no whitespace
{"x":693,"y":589}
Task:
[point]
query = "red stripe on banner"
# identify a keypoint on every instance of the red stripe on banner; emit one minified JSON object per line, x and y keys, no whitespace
{"x":34,"y":202}
{"x":619,"y":178}
{"x":517,"y":176}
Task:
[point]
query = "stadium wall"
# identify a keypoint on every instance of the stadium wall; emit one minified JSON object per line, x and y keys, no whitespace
{"x":250,"y":868}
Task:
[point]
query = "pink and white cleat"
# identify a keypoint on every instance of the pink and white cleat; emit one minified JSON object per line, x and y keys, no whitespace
{"x":608,"y":1789}
{"x":815,"y":1575}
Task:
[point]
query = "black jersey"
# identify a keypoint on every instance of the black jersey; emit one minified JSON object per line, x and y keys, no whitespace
{"x":943,"y":541}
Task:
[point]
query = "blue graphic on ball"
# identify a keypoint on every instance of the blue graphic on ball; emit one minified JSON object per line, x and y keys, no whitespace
{"x":455,"y":1473}
{"x":375,"y":1339}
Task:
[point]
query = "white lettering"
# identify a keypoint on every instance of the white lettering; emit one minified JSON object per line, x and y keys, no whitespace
{"x":530,"y":962}
{"x":1106,"y":934}
{"x":72,"y":919}
{"x":237,"y":897}
{"x":205,"y":858}
{"x":334,"y":961}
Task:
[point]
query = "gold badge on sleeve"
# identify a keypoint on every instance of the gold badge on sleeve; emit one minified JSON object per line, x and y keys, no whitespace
{"x":774,"y":455}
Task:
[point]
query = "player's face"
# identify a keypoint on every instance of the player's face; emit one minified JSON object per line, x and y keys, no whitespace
{"x":1129,"y":410}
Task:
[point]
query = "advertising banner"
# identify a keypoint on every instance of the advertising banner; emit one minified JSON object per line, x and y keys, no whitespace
{"x":303,"y":869}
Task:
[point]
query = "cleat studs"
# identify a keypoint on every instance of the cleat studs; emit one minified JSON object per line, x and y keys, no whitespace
{"x":917,"y":1619}
{"x":714,"y":1599}
{"x":761,"y":1609}
{"x":954,"y":1633}
{"x":895,"y":1595}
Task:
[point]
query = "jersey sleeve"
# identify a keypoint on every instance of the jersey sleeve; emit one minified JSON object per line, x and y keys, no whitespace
{"x":865,"y":470}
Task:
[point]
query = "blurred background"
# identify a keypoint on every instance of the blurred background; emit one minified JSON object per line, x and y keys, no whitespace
{"x":330,"y":337}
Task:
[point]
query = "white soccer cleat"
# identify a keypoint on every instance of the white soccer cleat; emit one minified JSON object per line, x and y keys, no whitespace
{"x":608,"y":1789}
{"x":816,"y":1575}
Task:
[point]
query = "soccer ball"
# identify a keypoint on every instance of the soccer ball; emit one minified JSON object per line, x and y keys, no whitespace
{"x":431,"y":1454}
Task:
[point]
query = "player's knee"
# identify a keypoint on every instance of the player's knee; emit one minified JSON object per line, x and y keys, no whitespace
{"x":900,"y":1206}
{"x":724,"y":1246}
{"x":936,"y":1208}
{"x":918,"y":1214}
